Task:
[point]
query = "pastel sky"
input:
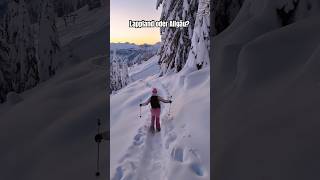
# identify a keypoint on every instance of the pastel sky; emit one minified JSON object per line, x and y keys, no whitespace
{"x":121,"y":11}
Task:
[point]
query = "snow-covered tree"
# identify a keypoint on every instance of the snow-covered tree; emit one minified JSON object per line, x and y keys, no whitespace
{"x":176,"y":42}
{"x":92,"y":4}
{"x":22,"y":54}
{"x":30,"y":75}
{"x":64,"y":7}
{"x":5,"y":74}
{"x":124,"y":73}
{"x":200,"y":45}
{"x":286,"y":11}
{"x":23,"y":65}
{"x":115,"y":83}
{"x":49,"y":44}
{"x":81,"y":3}
{"x":119,"y":76}
{"x":224,"y":13}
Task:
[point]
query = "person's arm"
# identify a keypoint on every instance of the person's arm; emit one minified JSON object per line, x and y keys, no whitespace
{"x":163,"y":100}
{"x":145,"y":103}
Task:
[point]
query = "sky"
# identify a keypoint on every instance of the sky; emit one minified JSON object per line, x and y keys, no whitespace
{"x":121,"y":11}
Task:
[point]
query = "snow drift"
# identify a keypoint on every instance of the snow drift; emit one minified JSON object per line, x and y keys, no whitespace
{"x":266,"y":93}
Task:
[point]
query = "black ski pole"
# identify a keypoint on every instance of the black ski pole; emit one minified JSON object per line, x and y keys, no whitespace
{"x":140,"y":108}
{"x":169,"y":105}
{"x":98,"y":155}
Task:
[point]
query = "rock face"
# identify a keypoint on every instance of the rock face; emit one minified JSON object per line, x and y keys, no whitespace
{"x":266,"y":84}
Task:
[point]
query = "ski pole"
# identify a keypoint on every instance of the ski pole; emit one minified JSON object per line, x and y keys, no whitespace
{"x":169,"y":106}
{"x":98,"y":155}
{"x":140,"y":108}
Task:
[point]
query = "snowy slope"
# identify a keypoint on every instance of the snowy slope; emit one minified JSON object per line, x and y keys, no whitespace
{"x":181,"y":150}
{"x":266,"y":106}
{"x":87,"y":22}
{"x":49,"y":134}
{"x":145,"y":69}
{"x":51,"y":131}
{"x":85,"y":39}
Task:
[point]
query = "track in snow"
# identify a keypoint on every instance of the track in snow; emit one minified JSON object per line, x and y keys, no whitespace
{"x":147,"y":156}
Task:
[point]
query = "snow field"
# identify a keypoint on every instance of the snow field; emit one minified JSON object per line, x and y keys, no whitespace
{"x":55,"y":126}
{"x":181,"y":150}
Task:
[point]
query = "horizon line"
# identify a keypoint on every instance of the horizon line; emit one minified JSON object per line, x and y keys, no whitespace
{"x":127,"y":42}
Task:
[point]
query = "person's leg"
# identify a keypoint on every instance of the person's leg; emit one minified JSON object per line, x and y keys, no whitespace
{"x":157,"y":113}
{"x":152,"y":120}
{"x":158,"y":123}
{"x":153,"y":117}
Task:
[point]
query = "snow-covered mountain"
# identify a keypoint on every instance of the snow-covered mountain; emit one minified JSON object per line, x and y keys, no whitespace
{"x":133,"y":53}
{"x":266,"y":92}
{"x":124,"y":55}
{"x":114,"y":46}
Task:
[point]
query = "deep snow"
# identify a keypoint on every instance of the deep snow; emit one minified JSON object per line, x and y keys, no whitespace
{"x":181,"y":150}
{"x":266,"y":96}
{"x":49,"y":132}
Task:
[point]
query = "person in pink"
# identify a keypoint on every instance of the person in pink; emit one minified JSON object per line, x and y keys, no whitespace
{"x":154,"y":100}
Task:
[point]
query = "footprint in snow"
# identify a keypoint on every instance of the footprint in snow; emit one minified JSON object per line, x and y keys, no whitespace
{"x":138,"y":139}
{"x":136,"y":146}
{"x":119,"y":174}
{"x":177,"y":154}
{"x":124,"y":172}
{"x":197,"y":168}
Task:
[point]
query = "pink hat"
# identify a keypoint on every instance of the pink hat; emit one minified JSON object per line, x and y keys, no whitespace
{"x":154,"y":91}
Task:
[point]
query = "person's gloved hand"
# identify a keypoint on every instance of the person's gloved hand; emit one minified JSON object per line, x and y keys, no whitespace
{"x":98,"y":138}
{"x":170,"y":101}
{"x":140,"y":104}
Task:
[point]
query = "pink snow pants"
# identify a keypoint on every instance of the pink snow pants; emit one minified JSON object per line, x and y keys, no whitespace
{"x":155,"y":115}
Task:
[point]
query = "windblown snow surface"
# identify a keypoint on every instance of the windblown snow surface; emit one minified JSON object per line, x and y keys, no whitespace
{"x":266,"y":94}
{"x":48,"y":134}
{"x":181,"y":149}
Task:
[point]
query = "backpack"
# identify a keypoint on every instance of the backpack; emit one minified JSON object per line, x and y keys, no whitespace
{"x":154,"y":102}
